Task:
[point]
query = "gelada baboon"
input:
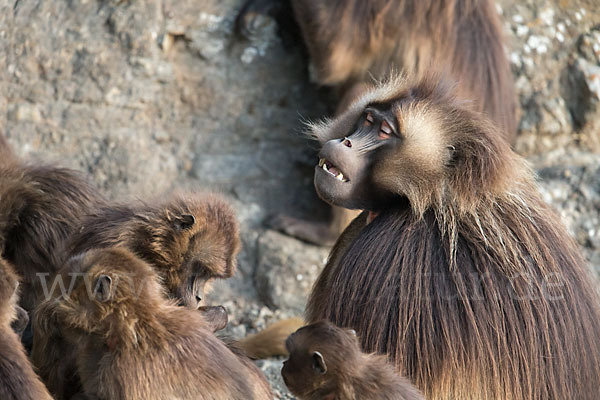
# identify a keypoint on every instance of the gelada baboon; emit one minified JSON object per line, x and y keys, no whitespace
{"x":131,"y":343}
{"x":457,"y":269}
{"x":350,"y":42}
{"x":18,"y":381}
{"x":41,"y":206}
{"x":190,"y":240}
{"x":326,"y":362}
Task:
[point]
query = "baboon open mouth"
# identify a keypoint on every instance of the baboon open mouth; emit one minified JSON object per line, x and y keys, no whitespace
{"x":332,"y":170}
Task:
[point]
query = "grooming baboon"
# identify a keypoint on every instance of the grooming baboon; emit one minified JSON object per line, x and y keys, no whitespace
{"x":457,"y":269}
{"x":18,"y":381}
{"x":189,"y":240}
{"x":40,"y":207}
{"x":351,"y":42}
{"x":131,"y":343}
{"x":326,"y":362}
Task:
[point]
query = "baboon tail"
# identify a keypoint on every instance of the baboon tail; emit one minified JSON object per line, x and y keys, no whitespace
{"x":270,"y":342}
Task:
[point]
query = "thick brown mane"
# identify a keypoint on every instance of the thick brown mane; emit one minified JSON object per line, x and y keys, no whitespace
{"x":529,"y":318}
{"x":469,"y":282}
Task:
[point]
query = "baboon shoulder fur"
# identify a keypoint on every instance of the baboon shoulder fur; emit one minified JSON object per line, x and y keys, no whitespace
{"x":468,"y":281}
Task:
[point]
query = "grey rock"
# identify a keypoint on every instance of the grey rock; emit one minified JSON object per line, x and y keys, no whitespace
{"x":286,"y":270}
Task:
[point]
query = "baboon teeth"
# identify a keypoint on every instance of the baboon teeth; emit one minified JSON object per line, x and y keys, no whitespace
{"x":332,"y":170}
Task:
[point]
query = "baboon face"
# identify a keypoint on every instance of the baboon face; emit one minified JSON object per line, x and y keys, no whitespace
{"x":380,"y":151}
{"x":318,"y":352}
{"x":209,"y":252}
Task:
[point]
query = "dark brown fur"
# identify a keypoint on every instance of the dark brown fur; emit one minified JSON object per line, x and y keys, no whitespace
{"x":467,"y":280}
{"x":131,"y":343}
{"x":352,"y":41}
{"x":205,"y":249}
{"x":326,"y":362}
{"x":40,"y":206}
{"x":18,"y":381}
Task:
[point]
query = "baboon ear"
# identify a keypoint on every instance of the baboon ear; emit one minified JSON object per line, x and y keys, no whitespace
{"x":318,"y":363}
{"x":102,"y":288}
{"x":184,"y":221}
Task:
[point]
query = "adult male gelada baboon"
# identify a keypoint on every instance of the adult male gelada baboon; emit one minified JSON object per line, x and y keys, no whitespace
{"x":457,"y":269}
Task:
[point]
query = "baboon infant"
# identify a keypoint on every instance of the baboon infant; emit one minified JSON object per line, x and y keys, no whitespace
{"x":131,"y":343}
{"x":18,"y":381}
{"x":326,"y":362}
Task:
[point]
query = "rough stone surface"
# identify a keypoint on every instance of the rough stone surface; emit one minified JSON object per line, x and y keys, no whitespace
{"x":149,"y":95}
{"x":286,"y":270}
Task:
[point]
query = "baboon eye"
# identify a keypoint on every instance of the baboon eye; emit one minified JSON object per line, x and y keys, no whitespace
{"x":385,"y":131}
{"x":369,"y":120}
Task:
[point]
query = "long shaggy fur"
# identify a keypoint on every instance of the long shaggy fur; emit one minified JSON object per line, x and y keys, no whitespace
{"x":350,"y":41}
{"x":40,"y":206}
{"x":469,"y":282}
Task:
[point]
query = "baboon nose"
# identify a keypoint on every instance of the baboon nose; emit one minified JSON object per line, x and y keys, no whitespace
{"x":198,"y":299}
{"x":347,"y":142}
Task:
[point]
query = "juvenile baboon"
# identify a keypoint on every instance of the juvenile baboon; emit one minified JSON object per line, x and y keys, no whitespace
{"x":457,"y":269}
{"x":18,"y":381}
{"x":326,"y":362}
{"x":190,"y":240}
{"x":131,"y":343}
{"x":352,"y":42}
{"x":40,"y":207}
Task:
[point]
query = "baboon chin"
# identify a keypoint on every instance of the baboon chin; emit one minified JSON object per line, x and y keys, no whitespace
{"x":458,"y":263}
{"x":326,"y":362}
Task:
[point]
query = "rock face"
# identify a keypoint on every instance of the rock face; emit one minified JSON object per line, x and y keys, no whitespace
{"x":149,"y":95}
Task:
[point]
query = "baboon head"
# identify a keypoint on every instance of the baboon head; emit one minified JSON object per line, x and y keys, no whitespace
{"x":408,"y":141}
{"x":320,"y":355}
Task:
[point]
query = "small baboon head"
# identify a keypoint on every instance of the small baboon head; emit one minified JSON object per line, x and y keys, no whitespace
{"x":320,"y":354}
{"x":108,"y":286}
{"x":206,"y":244}
{"x":413,"y":141}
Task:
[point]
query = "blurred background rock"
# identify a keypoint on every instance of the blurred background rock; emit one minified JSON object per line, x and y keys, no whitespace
{"x":148,"y":96}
